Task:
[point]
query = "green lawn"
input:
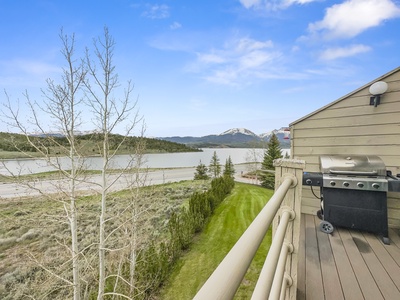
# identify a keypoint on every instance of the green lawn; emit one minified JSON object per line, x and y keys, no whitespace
{"x":228,"y":223}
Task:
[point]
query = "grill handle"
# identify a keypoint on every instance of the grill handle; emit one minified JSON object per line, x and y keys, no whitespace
{"x":354,"y":172}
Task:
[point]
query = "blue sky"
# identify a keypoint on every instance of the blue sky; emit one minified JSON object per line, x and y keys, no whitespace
{"x":202,"y":67}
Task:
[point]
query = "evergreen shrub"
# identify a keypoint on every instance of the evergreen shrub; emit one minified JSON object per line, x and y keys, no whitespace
{"x":156,"y":261}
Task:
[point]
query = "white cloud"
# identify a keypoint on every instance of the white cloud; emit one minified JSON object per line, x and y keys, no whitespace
{"x":250,"y":3}
{"x":352,"y":17}
{"x":273,"y":4}
{"x":290,"y":2}
{"x":340,"y":52}
{"x":32,"y":73}
{"x":175,"y":25}
{"x":210,"y":58}
{"x":246,"y":44}
{"x":239,"y":61}
{"x":30,"y":67}
{"x":255,"y":59}
{"x":157,"y":12}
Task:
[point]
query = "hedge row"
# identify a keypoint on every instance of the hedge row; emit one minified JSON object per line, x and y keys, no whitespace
{"x":155,"y":262}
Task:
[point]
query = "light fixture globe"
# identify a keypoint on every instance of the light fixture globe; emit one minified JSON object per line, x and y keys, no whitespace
{"x":378,"y":88}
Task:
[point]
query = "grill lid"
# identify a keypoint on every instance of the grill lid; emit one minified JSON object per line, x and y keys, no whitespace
{"x":352,"y":165}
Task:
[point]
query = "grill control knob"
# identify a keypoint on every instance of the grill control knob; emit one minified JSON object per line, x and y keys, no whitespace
{"x":332,"y":183}
{"x":309,"y":181}
{"x":346,"y":184}
{"x":360,"y":185}
{"x":375,"y":185}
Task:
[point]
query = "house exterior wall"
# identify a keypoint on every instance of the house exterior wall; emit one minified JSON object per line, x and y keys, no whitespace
{"x":351,"y":126}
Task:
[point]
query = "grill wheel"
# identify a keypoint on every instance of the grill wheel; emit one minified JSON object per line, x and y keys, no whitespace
{"x":326,"y":227}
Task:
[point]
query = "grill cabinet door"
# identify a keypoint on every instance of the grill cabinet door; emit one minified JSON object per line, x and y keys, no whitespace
{"x":362,"y":210}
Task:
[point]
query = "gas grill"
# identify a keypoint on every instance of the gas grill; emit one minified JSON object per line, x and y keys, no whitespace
{"x":353,"y":192}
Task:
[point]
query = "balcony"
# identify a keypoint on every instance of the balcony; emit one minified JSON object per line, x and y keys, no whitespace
{"x":346,"y":264}
{"x":303,"y":262}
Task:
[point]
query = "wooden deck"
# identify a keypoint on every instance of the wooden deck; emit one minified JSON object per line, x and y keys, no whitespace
{"x":347,"y":264}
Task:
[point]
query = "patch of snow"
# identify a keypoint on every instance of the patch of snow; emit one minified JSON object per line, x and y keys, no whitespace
{"x":239,"y":130}
{"x":275,"y":131}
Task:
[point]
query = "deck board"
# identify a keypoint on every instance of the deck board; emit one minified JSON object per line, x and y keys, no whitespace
{"x":387,"y":261}
{"x":367,"y":283}
{"x":346,"y":264}
{"x":314,"y":287}
{"x":378,"y":272}
{"x":301,"y":274}
{"x":330,"y":277}
{"x":349,"y":283}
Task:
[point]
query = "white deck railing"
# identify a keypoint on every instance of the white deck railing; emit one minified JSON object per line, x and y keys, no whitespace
{"x":280,"y":268}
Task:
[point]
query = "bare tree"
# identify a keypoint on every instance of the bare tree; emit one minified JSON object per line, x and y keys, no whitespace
{"x":253,"y":158}
{"x":62,"y":101}
{"x":88,"y":84}
{"x":110,"y":111}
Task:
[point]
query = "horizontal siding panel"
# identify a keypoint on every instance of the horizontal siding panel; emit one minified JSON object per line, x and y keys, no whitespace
{"x":386,"y":129}
{"x":362,"y":99}
{"x":394,"y":199}
{"x":310,"y":160}
{"x":394,"y":213}
{"x":393,"y":203}
{"x":393,"y":223}
{"x":392,"y":78}
{"x":357,"y":111}
{"x":391,"y":141}
{"x":375,"y":119}
{"x":362,"y":150}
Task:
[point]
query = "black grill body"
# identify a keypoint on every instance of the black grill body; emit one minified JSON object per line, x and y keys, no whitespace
{"x":362,"y":210}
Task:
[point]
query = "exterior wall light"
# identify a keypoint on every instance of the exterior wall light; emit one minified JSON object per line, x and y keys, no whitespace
{"x":377,"y":89}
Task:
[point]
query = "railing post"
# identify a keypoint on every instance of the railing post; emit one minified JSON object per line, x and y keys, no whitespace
{"x":284,"y":168}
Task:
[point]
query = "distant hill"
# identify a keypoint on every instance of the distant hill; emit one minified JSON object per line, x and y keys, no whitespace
{"x":232,"y":138}
{"x":88,"y":144}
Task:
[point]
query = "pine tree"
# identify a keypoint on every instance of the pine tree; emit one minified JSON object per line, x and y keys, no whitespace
{"x":273,"y":152}
{"x":229,"y":169}
{"x":201,"y":172}
{"x":214,"y":167}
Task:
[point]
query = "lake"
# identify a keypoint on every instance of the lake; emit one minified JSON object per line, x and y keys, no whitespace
{"x":160,"y":160}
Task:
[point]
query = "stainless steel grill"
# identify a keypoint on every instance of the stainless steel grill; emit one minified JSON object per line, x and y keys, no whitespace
{"x":354,"y":172}
{"x":353,"y":193}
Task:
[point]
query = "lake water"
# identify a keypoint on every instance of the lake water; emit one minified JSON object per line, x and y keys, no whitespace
{"x":161,"y":160}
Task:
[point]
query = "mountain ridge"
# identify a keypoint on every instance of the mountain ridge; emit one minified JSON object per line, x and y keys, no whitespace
{"x":233,"y":138}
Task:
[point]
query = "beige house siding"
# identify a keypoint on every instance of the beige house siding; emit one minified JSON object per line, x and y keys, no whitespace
{"x":351,"y":126}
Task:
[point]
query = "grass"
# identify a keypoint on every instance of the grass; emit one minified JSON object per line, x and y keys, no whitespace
{"x":228,"y":223}
{"x":35,"y":228}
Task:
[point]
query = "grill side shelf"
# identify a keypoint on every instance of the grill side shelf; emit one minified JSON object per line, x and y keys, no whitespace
{"x":312,"y":179}
{"x":393,"y":185}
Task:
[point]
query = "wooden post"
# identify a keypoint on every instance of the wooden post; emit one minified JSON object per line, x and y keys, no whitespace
{"x":292,"y":200}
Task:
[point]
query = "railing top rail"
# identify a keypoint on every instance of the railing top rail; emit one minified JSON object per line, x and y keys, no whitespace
{"x":226,"y":279}
{"x":289,"y":163}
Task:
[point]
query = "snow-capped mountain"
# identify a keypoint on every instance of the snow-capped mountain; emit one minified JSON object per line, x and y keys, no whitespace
{"x":235,"y":138}
{"x":234,"y":131}
{"x":282,"y":132}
